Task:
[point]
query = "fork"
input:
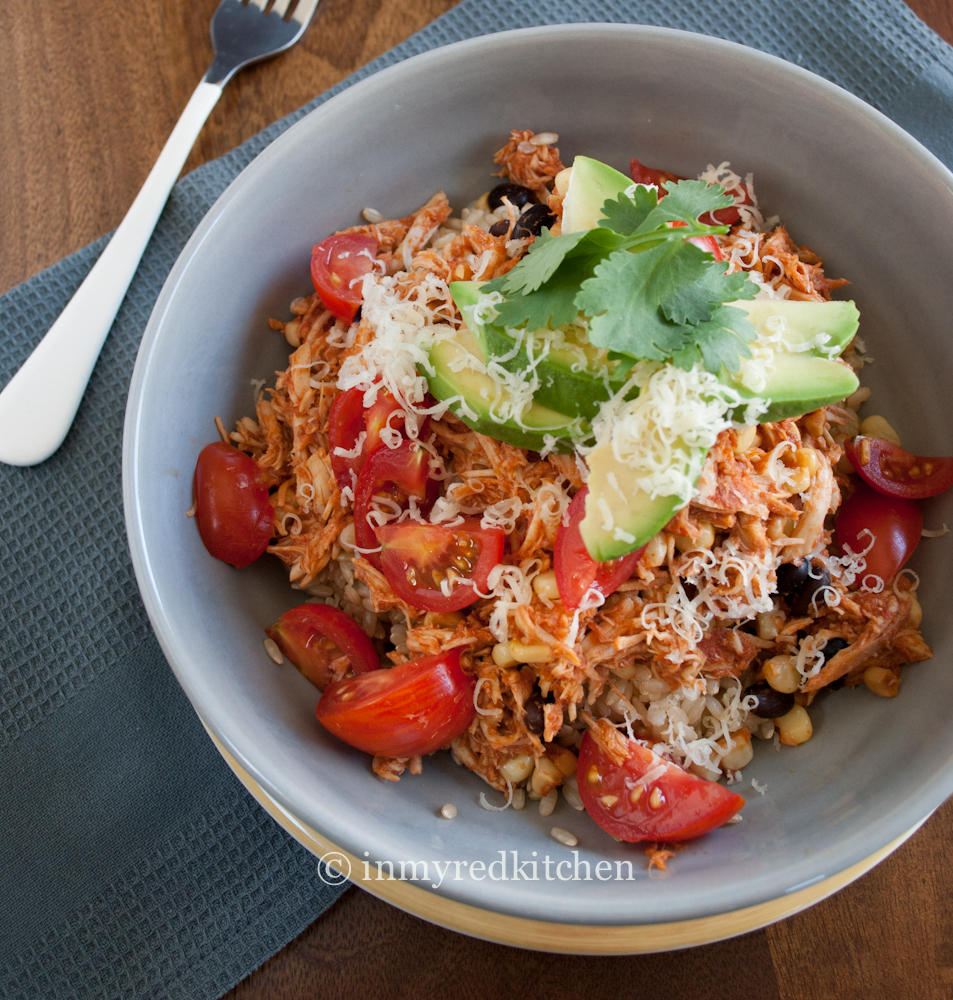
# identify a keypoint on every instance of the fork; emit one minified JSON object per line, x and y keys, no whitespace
{"x":39,"y":403}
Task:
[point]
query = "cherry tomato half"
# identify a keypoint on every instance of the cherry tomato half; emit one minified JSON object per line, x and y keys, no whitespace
{"x":642,"y":174}
{"x":232,"y":511}
{"x":395,"y":473}
{"x":384,"y":412}
{"x":706,"y":243}
{"x":576,"y":570}
{"x":416,"y":557}
{"x":349,"y":418}
{"x":675,"y":805}
{"x":894,"y":522}
{"x":345,"y":424}
{"x":895,"y":472}
{"x":414,"y":708}
{"x":313,"y":635}
{"x":337,"y":266}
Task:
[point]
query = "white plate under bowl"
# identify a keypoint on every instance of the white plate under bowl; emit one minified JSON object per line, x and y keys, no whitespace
{"x":873,"y":202}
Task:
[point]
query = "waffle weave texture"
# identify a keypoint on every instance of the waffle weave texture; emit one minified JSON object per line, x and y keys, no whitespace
{"x":132,"y":863}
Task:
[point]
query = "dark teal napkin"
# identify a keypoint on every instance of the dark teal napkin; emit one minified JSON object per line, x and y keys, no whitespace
{"x":132,"y":863}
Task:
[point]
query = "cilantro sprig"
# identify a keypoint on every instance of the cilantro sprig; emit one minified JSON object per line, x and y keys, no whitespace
{"x":648,"y":292}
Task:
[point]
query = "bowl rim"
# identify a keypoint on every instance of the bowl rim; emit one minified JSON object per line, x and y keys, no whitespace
{"x":896,"y":820}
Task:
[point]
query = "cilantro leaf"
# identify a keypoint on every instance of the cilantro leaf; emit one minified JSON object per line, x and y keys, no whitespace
{"x":623,"y":299}
{"x":553,"y":303}
{"x":625,"y":214}
{"x":720,"y":342}
{"x":693,"y":296}
{"x":685,"y":202}
{"x":541,"y":262}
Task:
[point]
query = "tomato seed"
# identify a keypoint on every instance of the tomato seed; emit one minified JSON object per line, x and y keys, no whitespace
{"x":593,"y":777}
{"x":636,"y":793}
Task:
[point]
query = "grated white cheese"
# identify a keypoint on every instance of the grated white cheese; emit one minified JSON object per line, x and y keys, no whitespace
{"x":664,"y":433}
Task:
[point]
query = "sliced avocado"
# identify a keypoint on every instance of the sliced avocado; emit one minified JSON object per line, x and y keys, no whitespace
{"x":573,"y":380}
{"x":805,"y":321}
{"x":799,"y":383}
{"x":633,"y":517}
{"x":591,"y":185}
{"x":452,"y":378}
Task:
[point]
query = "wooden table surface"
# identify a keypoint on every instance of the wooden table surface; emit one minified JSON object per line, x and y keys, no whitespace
{"x":89,"y":94}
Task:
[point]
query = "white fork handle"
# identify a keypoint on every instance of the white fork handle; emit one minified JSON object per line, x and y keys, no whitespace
{"x":39,"y":403}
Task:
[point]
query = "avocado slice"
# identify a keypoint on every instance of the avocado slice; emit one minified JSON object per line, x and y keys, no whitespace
{"x":805,"y":321}
{"x":591,"y":185}
{"x":573,"y":380}
{"x":627,"y":517}
{"x":800,"y":381}
{"x":452,"y":378}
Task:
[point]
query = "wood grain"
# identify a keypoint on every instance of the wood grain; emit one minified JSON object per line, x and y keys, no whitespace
{"x":90,"y":93}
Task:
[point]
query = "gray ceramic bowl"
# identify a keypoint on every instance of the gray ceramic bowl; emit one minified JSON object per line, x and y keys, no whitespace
{"x":871,"y":200}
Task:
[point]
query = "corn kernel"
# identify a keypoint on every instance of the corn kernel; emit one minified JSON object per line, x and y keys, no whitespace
{"x":546,"y":776}
{"x":655,"y":550}
{"x":740,"y":753}
{"x":705,"y":539}
{"x":883,"y":682}
{"x":503,"y":655}
{"x":564,"y":759}
{"x":517,"y":769}
{"x":795,"y":727}
{"x":807,"y":459}
{"x":537,"y":653}
{"x":545,"y":586}
{"x":781,"y":673}
{"x":878,"y":427}
{"x":799,"y":481}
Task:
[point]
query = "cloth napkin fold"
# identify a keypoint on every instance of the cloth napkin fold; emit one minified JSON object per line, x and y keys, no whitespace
{"x":132,"y":863}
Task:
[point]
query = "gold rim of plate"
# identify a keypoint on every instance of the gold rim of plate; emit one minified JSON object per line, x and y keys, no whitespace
{"x":541,"y":935}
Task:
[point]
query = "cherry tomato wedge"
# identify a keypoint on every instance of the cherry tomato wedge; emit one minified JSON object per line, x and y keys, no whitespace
{"x":345,"y":425}
{"x":396,"y":474}
{"x":385,"y":412}
{"x":417,"y":557}
{"x":312,"y":636}
{"x":576,"y":570}
{"x":895,"y":472}
{"x":232,"y":510}
{"x":411,"y":709}
{"x":337,"y":266}
{"x":642,"y":174}
{"x":673,"y":805}
{"x":894,"y":522}
{"x":706,"y":243}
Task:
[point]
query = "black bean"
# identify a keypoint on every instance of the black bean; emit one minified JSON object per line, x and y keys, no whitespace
{"x":833,"y":647}
{"x":532,"y":221}
{"x":800,"y":601}
{"x":518,"y":196}
{"x":771,"y":704}
{"x":500,"y":228}
{"x":533,"y":709}
{"x":792,"y":576}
